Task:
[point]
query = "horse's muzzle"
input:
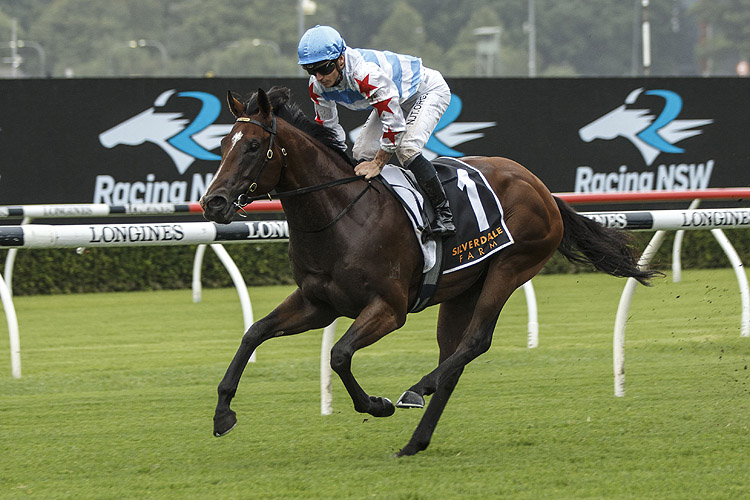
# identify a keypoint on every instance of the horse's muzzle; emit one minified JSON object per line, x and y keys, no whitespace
{"x":216,"y":208}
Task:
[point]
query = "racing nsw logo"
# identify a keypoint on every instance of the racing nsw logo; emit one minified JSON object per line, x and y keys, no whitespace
{"x":651,"y":134}
{"x":649,"y":120}
{"x":184,"y":141}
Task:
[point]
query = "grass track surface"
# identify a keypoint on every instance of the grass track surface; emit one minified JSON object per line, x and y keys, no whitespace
{"x":118,"y":392}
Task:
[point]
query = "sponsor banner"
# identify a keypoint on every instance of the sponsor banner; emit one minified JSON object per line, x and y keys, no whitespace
{"x":673,"y":219}
{"x":142,"y":141}
{"x":117,"y":235}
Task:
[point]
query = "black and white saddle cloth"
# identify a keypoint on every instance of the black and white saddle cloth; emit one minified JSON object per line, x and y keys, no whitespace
{"x":477,"y":214}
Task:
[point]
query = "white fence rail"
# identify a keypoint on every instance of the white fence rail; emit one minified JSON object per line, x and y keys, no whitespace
{"x":120,"y":235}
{"x":86,"y":210}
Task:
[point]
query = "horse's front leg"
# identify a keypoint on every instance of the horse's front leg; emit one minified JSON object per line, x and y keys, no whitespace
{"x":294,"y":315}
{"x":374,"y":322}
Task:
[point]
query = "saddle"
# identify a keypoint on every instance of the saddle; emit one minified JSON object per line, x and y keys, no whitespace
{"x":477,"y":213}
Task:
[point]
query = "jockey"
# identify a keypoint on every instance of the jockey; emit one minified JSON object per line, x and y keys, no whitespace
{"x":406,"y":99}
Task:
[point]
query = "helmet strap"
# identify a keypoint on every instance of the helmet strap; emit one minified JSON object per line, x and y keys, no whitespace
{"x":340,"y":70}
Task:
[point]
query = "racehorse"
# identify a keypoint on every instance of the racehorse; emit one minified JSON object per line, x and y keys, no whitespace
{"x":353,"y":253}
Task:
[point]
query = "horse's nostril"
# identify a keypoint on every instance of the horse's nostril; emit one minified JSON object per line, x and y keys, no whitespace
{"x":216,"y":203}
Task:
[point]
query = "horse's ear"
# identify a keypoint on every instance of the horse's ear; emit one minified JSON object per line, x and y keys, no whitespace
{"x":235,"y":106}
{"x":264,"y":104}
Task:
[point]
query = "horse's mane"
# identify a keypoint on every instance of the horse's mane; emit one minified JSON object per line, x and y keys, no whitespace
{"x":291,"y":113}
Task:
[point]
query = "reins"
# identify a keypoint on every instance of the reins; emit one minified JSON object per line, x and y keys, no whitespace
{"x":244,"y":199}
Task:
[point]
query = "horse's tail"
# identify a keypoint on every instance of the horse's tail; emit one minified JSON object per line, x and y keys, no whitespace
{"x":609,"y":250}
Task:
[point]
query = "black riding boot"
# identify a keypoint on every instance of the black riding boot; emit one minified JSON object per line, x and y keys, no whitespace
{"x":426,"y":176}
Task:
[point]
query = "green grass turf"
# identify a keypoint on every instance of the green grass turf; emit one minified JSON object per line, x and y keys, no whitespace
{"x":118,"y":391}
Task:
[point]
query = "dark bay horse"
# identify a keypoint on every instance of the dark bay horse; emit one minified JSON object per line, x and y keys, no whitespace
{"x":353,"y":253}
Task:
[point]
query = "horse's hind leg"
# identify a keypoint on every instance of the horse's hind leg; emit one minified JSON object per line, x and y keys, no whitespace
{"x":453,"y":318}
{"x":294,"y":315}
{"x":476,"y":339}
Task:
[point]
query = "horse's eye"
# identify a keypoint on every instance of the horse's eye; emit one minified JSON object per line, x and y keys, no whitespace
{"x":253,"y":146}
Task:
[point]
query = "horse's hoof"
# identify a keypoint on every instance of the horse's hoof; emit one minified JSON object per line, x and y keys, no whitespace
{"x":224,"y":423}
{"x":410,"y":399}
{"x":410,"y":450}
{"x":381,"y":407}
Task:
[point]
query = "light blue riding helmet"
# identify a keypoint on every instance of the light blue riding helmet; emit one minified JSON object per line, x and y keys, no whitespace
{"x":321,"y":43}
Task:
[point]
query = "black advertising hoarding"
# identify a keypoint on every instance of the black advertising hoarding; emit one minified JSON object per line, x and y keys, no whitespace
{"x":605,"y":135}
{"x":120,"y":141}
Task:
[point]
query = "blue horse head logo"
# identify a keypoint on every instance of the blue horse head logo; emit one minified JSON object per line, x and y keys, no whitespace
{"x":651,"y":134}
{"x":183,"y":140}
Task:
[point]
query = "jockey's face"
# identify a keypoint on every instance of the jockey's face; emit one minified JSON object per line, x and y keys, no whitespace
{"x":332,"y":78}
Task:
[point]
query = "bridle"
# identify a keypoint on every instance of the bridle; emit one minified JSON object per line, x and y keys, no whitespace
{"x":244,"y":198}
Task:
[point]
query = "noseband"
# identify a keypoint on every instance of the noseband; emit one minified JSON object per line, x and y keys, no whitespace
{"x":242,"y":199}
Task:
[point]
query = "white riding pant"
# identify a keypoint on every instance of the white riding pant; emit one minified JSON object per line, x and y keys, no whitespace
{"x":422,"y":112}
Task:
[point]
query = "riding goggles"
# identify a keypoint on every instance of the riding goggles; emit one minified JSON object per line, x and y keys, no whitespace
{"x":324,"y":68}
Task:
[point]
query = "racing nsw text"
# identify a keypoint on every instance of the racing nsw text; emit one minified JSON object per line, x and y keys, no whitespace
{"x":667,"y":177}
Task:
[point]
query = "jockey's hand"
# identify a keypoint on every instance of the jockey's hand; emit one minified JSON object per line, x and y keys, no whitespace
{"x":368,"y":168}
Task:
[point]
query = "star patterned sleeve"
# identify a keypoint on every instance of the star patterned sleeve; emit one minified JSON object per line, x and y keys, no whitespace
{"x":383,"y":96}
{"x":326,"y":113}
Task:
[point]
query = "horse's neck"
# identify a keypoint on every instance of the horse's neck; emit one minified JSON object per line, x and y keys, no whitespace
{"x":310,"y":164}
